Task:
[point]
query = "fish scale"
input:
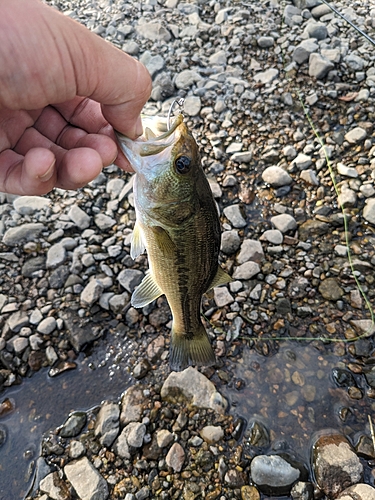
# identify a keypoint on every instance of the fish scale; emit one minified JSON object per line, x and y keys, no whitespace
{"x":178,"y":224}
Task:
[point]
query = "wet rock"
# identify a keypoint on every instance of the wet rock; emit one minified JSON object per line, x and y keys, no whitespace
{"x":175,"y":457}
{"x":194,"y":387}
{"x":330,"y":289}
{"x":86,"y":480}
{"x":335,"y":464}
{"x":276,"y":176}
{"x":273,"y":475}
{"x":107,"y":423}
{"x":365,"y":447}
{"x":358,"y":492}
{"x":302,"y":491}
{"x":258,"y":434}
{"x":20,"y":234}
{"x":73,"y":425}
{"x":55,"y":487}
{"x":155,"y":348}
{"x":235,"y":478}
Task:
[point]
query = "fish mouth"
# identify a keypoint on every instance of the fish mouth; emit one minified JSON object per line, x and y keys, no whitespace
{"x":150,"y":144}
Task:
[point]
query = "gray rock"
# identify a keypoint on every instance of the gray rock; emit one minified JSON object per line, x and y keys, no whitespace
{"x":267,"y":76}
{"x":265,"y":42}
{"x":17,"y":320}
{"x":114,"y":187}
{"x":121,"y":446}
{"x":347,"y":171}
{"x":79,"y":217}
{"x":230,"y":241}
{"x":319,"y":66}
{"x":154,"y":64}
{"x":76,"y":449}
{"x":47,"y":326}
{"x":104,"y":222}
{"x":192,"y":105}
{"x":250,"y":250}
{"x":130,"y":278}
{"x":320,"y":11}
{"x":330,"y":289}
{"x":135,"y":432}
{"x":290,"y":12}
{"x":19,"y":345}
{"x":335,"y":464}
{"x":273,"y":236}
{"x":317,"y":30}
{"x":310,"y":177}
{"x":28,"y":205}
{"x":153,"y":31}
{"x":175,"y":457}
{"x":33,"y":265}
{"x":367,"y":190}
{"x":246,"y":271}
{"x":234,"y":214}
{"x":276,"y":176}
{"x":242,"y":157}
{"x":117,"y":302}
{"x":86,"y":480}
{"x":20,"y":234}
{"x":369,"y":211}
{"x":194,"y":387}
{"x":333,"y":55}
{"x":186,"y":79}
{"x":131,"y":405}
{"x":222,"y":296}
{"x":218,"y":58}
{"x":356,"y":135}
{"x":302,"y":161}
{"x":273,"y":473}
{"x":130,"y":47}
{"x":107,"y":424}
{"x":73,"y":425}
{"x":284,"y":222}
{"x":51,"y":355}
{"x":302,"y":52}
{"x":56,"y":255}
{"x":302,"y":491}
{"x":55,"y":487}
{"x":91,"y":293}
{"x":354,"y":62}
{"x":347,"y":198}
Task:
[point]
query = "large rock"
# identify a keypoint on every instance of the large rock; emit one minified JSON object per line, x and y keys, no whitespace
{"x":107,"y":423}
{"x":86,"y":480}
{"x":193,"y":387}
{"x":319,"y":66}
{"x":27,"y":205}
{"x":335,"y":464}
{"x":273,"y":475}
{"x":20,"y":234}
{"x":55,"y":487}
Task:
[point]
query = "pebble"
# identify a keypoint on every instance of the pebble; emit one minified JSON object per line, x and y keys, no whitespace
{"x":56,"y":255}
{"x":192,"y":105}
{"x":55,"y":487}
{"x":104,"y":222}
{"x":302,"y":161}
{"x":369,"y":211}
{"x":91,"y":293}
{"x":273,"y":236}
{"x":356,"y":135}
{"x":273,"y":475}
{"x":302,"y":52}
{"x":164,"y":438}
{"x":284,"y":222}
{"x":28,"y":205}
{"x":79,"y":217}
{"x":250,"y":250}
{"x":310,"y":177}
{"x":242,"y":157}
{"x":358,"y":492}
{"x":212,"y":434}
{"x":230,"y":241}
{"x":222,"y":296}
{"x":330,"y":289}
{"x":107,"y":423}
{"x":20,"y":234}
{"x":266,"y":77}
{"x":175,"y":457}
{"x":130,"y":278}
{"x":347,"y":171}
{"x":154,"y":31}
{"x":246,"y":271}
{"x":319,"y":66}
{"x":186,"y":79}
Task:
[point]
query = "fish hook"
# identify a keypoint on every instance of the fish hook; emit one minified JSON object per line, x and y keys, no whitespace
{"x":180,"y":102}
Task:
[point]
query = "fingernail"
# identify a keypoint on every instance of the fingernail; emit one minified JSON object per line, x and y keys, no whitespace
{"x":51,"y":170}
{"x":138,"y":127}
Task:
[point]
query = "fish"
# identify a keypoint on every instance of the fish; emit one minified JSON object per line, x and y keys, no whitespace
{"x":177,"y":223}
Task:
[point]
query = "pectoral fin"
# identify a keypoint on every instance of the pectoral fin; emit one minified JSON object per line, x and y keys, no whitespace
{"x":146,"y":292}
{"x":137,"y":247}
{"x":163,"y":240}
{"x":221,"y":278}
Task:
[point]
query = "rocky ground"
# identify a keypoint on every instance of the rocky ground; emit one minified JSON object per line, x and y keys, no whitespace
{"x":66,"y":273}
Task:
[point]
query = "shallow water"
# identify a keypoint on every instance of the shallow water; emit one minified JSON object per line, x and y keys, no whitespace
{"x":292,"y":393}
{"x":42,"y":403}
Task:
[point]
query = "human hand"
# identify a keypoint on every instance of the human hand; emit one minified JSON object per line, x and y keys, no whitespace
{"x":63,"y":91}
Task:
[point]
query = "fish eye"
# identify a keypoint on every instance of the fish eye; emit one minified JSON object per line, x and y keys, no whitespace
{"x":182,"y":164}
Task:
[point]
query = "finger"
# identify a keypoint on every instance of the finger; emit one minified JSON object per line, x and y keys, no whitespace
{"x":83,"y":113}
{"x":33,"y":174}
{"x":78,"y":167}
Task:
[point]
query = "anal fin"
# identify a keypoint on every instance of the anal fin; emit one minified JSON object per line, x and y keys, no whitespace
{"x":146,"y":292}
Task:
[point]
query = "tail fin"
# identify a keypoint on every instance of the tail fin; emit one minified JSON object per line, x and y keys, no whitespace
{"x":189,"y":350}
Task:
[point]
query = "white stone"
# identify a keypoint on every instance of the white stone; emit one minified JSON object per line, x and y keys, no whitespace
{"x":86,"y":480}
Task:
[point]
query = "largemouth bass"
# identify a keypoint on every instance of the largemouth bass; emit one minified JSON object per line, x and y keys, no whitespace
{"x":178,"y":224}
